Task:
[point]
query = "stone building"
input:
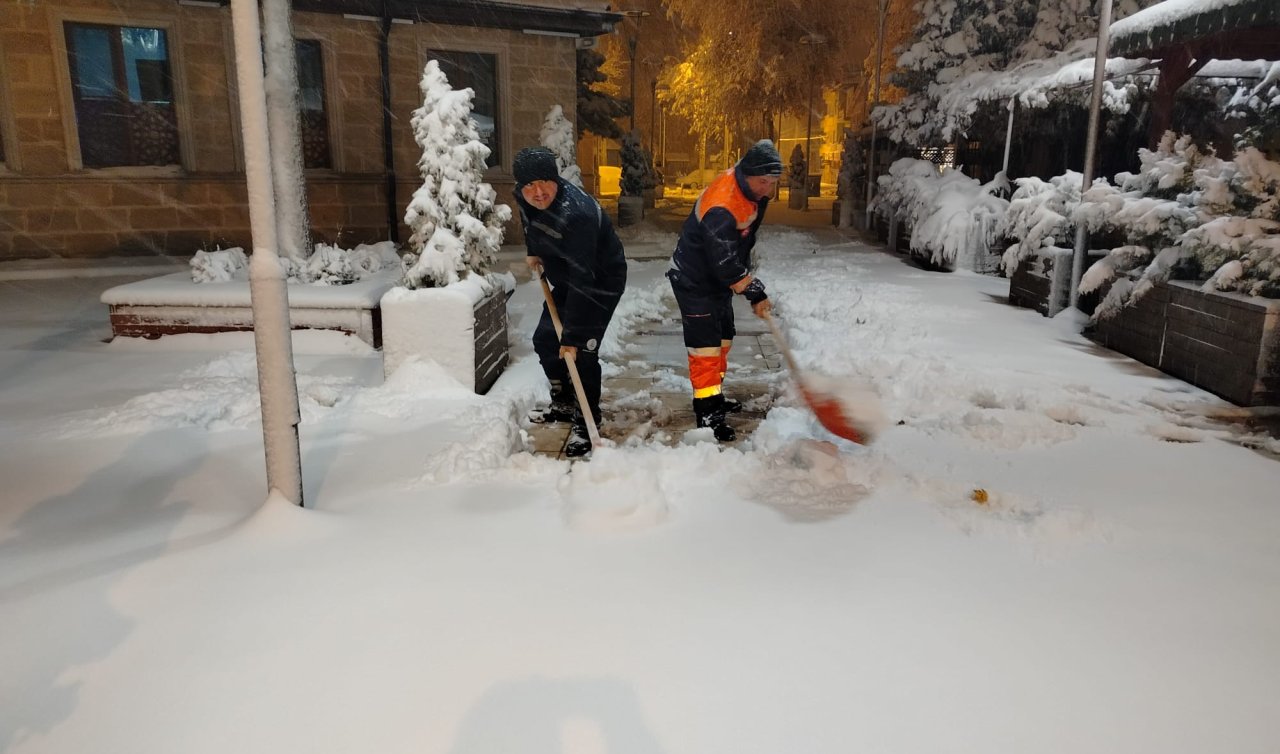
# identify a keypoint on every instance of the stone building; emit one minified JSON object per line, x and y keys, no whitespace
{"x":119,"y":130}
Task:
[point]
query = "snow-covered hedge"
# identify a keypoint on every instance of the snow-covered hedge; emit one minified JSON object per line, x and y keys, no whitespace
{"x":953,"y":218}
{"x":1187,"y":209}
{"x":327,"y":265}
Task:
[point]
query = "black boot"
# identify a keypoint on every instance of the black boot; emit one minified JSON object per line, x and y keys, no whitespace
{"x":731,"y":406}
{"x":579,"y":443}
{"x":711,"y":413}
{"x":563,"y":407}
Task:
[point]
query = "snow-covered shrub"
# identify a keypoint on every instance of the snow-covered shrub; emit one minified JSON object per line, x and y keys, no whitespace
{"x":331,"y":265}
{"x":557,"y":135}
{"x":898,"y":190}
{"x":953,"y":218}
{"x":1039,"y":216}
{"x":637,"y":167}
{"x":456,"y":221}
{"x":219,"y":266}
{"x":1189,"y":210}
{"x":1257,"y":109}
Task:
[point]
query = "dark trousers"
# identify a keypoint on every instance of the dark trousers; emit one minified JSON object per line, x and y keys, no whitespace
{"x":547,"y":345}
{"x":706,"y":320}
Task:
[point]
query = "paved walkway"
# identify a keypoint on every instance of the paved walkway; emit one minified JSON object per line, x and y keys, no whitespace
{"x":650,"y":401}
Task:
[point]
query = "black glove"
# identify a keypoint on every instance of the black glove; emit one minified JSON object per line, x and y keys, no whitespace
{"x":754,"y":292}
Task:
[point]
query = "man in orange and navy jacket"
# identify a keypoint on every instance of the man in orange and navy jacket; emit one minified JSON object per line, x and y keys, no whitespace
{"x":710,"y":264}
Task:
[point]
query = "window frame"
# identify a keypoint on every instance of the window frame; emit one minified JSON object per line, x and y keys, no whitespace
{"x":501,"y":100}
{"x":58,"y":30}
{"x":10,"y":162}
{"x":332,"y":102}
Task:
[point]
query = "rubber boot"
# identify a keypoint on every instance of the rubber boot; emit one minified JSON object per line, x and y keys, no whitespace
{"x":710,"y":412}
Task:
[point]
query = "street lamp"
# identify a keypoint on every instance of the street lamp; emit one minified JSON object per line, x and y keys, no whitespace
{"x":812,"y":41}
{"x":632,"y":43}
{"x":882,"y":13}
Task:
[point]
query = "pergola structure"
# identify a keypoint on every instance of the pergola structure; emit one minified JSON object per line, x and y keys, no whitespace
{"x":1185,"y":34}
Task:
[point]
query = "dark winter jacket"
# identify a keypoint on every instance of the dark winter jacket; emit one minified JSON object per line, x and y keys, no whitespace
{"x":714,"y":250}
{"x":579,"y":251}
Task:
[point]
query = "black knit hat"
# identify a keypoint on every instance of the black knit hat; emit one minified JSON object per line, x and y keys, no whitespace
{"x":761,"y":159}
{"x":534,"y":164}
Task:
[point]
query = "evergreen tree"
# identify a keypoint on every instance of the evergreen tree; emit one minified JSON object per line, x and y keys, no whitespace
{"x":454,"y":216}
{"x":637,"y":169}
{"x":597,"y":110}
{"x":557,"y":135}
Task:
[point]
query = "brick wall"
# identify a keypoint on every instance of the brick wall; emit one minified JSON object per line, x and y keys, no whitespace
{"x":49,"y":206}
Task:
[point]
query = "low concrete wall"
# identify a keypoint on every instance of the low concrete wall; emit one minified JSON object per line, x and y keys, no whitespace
{"x":1226,"y":343}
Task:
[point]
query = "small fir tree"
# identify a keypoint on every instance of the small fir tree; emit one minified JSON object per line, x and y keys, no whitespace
{"x":798,"y":173}
{"x":637,"y":170}
{"x":456,"y":221}
{"x":557,"y":135}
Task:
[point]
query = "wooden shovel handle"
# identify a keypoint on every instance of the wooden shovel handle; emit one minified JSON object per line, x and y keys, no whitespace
{"x":571,"y":362}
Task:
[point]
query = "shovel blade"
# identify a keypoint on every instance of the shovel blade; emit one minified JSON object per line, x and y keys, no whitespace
{"x":835,"y":416}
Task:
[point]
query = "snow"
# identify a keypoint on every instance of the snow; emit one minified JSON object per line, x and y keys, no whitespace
{"x":1116,"y":588}
{"x":1165,"y":13}
{"x":177,"y":289}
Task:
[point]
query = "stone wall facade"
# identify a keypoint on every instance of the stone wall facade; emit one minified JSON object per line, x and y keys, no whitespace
{"x":52,"y":206}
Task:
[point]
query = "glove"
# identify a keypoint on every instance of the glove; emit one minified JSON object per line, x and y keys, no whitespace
{"x":754,"y":292}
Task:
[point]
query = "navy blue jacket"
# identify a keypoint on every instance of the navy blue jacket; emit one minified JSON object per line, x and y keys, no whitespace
{"x":714,"y":250}
{"x":581,"y":253}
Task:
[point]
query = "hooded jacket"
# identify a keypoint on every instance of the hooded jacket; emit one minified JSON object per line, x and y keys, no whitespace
{"x":581,"y":254}
{"x":714,"y":250}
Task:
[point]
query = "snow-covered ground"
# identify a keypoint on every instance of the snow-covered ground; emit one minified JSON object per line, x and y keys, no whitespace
{"x":1116,"y":588}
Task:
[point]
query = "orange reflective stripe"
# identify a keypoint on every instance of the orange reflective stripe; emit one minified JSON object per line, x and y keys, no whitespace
{"x":724,"y":192}
{"x":704,"y":374}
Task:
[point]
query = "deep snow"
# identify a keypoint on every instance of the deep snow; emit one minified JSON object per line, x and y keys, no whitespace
{"x":1117,"y":591}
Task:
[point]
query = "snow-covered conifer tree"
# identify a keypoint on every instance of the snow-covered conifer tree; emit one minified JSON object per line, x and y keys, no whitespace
{"x":455,"y":218}
{"x":637,"y":173}
{"x":557,"y":135}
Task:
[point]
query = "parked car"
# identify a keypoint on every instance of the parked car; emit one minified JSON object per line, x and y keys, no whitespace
{"x":697,"y":179}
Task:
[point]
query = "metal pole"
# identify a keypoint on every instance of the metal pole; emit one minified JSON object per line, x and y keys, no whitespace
{"x":268,"y":294}
{"x":632,"y":43}
{"x":1091,"y":145}
{"x":1008,"y":138}
{"x":882,"y":10}
{"x":653,"y":115}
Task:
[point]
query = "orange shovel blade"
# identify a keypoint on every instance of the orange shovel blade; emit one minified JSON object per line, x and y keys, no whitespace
{"x":831,"y":414}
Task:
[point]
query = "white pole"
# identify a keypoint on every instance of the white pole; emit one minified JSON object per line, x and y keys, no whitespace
{"x":269,"y":296}
{"x":285,"y":130}
{"x":1091,"y":144}
{"x":1008,"y":138}
{"x":882,"y":11}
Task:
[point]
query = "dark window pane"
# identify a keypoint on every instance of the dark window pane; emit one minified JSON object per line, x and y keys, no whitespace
{"x":478,"y":71}
{"x":311,"y":104}
{"x":123,"y":95}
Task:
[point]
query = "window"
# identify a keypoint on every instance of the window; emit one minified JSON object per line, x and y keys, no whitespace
{"x":123,"y":94}
{"x":311,"y":104}
{"x":478,"y":71}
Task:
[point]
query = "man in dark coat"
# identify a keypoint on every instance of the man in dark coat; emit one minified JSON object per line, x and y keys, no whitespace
{"x":571,"y":240}
{"x":712,"y":262}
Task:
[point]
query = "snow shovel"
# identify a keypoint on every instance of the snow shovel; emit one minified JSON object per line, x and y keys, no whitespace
{"x":571,"y":362}
{"x":839,"y":416}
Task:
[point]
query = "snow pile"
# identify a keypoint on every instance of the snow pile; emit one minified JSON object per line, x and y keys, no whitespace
{"x":456,"y":221}
{"x":953,"y":218}
{"x":1191,"y":213}
{"x":219,"y":266}
{"x":557,"y":135}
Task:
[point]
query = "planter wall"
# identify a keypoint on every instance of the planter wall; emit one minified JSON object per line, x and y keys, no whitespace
{"x":1032,"y":283}
{"x":173,"y":305}
{"x":1226,"y":343}
{"x":462,"y":327}
{"x":630,"y":210}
